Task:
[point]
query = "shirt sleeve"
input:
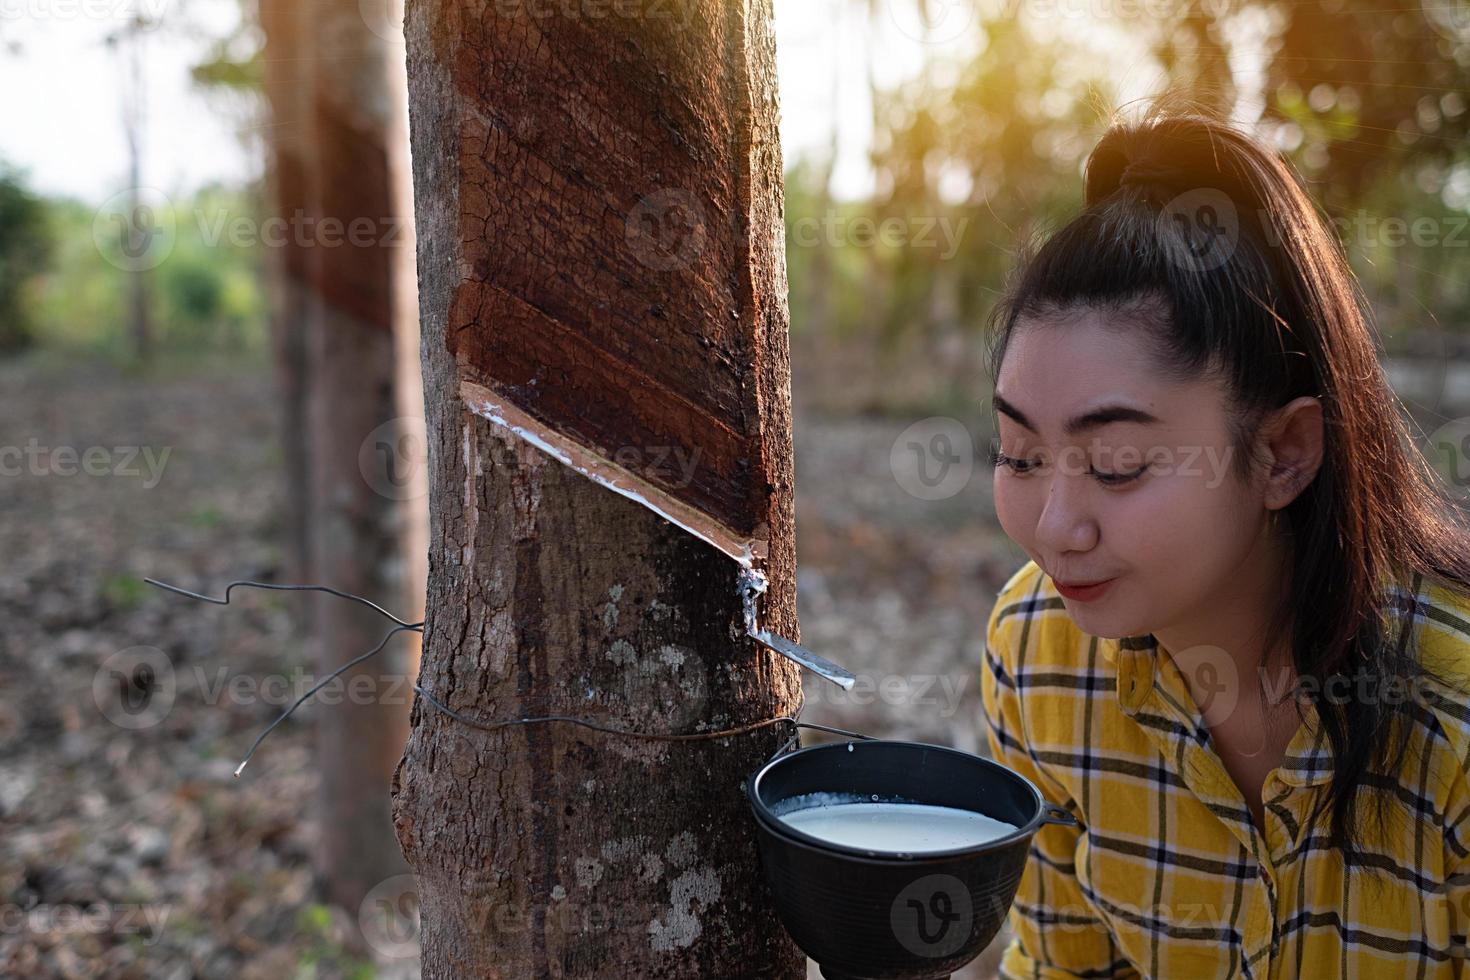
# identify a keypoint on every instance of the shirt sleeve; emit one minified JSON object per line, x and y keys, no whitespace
{"x":1055,"y":933}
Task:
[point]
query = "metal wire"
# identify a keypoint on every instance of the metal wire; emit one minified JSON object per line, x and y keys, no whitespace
{"x":794,"y":740}
{"x":404,"y":627}
{"x":659,"y":736}
{"x":282,"y":588}
{"x":317,"y":687}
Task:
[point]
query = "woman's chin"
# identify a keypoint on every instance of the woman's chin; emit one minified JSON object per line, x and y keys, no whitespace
{"x":1102,"y":623}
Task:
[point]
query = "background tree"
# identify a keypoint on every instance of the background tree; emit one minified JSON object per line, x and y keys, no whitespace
{"x":25,"y":252}
{"x":327,"y":75}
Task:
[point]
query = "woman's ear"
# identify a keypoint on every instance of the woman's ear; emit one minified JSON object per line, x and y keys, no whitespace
{"x":1292,"y":444}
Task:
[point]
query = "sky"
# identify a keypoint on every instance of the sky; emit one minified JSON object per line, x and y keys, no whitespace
{"x":71,"y":140}
{"x":69,"y":134}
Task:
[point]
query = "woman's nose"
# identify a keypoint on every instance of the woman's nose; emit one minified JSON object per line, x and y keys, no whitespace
{"x":1066,"y":522}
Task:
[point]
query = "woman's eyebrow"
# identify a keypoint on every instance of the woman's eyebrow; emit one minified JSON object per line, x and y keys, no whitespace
{"x":1096,"y":418}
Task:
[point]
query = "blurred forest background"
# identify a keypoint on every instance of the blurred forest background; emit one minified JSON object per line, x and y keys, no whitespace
{"x":969,"y":155}
{"x":958,"y":160}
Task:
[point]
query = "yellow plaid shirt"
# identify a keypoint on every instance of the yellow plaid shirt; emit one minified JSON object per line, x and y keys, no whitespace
{"x":1167,"y":875}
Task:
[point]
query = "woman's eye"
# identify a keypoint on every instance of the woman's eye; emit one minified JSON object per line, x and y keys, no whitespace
{"x":1117,"y":479}
{"x":998,"y":458}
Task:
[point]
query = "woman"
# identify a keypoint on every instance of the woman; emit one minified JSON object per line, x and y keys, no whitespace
{"x":1239,"y":653}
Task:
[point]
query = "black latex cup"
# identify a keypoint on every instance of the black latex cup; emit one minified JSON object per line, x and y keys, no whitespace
{"x":875,"y":915}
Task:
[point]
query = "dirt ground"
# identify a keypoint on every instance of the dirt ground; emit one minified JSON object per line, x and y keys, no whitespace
{"x":128,"y":850}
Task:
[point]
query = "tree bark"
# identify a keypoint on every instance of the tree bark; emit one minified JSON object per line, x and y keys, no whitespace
{"x":540,"y":131}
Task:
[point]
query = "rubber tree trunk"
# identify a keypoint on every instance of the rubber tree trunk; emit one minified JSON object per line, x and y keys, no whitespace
{"x":355,"y":513}
{"x":550,"y":850}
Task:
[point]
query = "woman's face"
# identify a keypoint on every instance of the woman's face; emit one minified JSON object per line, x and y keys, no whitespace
{"x":1076,"y":404}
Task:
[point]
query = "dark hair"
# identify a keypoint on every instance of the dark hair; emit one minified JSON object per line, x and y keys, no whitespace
{"x":1206,"y":239}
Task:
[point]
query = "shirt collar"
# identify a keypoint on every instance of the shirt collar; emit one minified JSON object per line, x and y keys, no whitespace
{"x":1309,"y":757}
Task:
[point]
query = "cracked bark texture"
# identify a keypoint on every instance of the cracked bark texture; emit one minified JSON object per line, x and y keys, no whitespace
{"x":539,"y":133}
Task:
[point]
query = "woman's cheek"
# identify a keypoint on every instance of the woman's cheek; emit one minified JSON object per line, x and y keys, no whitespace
{"x":1012,"y":510}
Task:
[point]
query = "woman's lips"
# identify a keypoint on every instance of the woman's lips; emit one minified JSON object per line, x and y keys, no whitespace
{"x":1086,"y":593}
